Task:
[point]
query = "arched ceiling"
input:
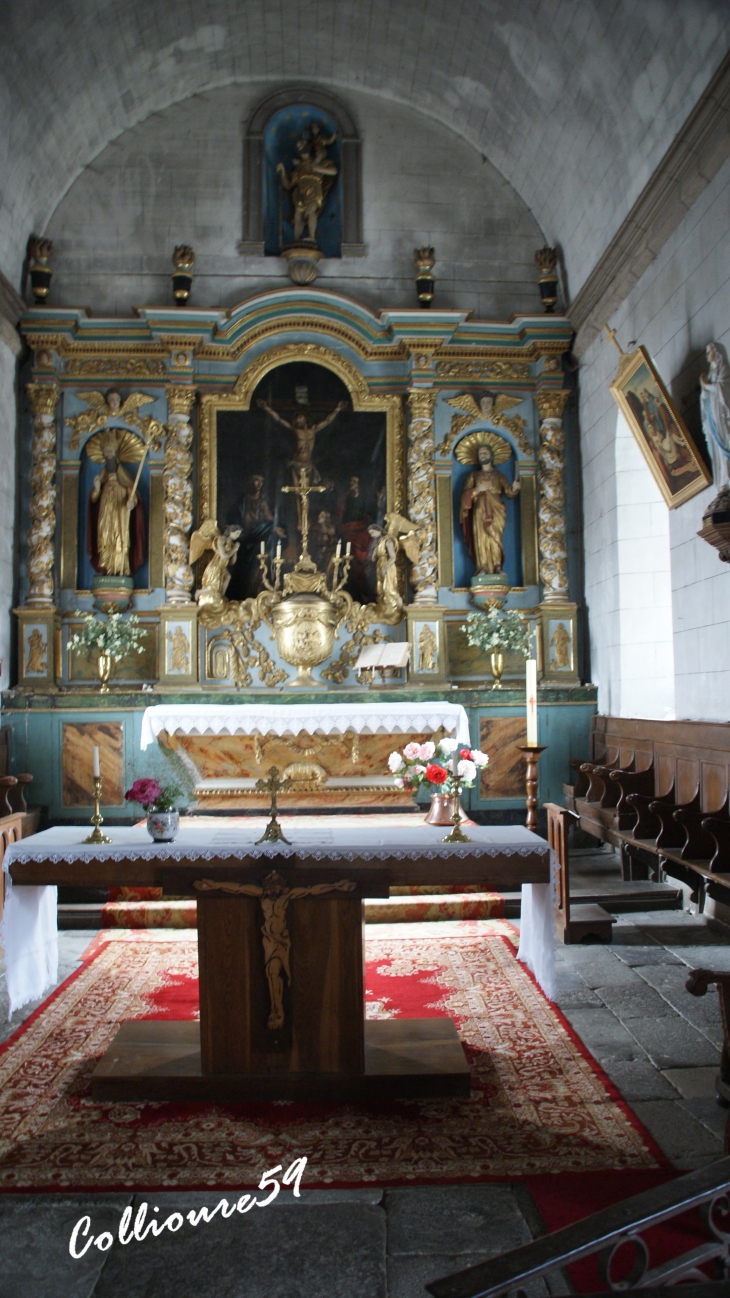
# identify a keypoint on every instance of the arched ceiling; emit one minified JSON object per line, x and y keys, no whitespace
{"x":575,"y":101}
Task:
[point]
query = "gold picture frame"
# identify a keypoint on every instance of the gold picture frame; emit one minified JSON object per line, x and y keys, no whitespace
{"x":663,"y":439}
{"x":388,"y":403}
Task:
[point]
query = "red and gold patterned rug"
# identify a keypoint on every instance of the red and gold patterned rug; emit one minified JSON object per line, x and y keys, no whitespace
{"x":539,"y":1103}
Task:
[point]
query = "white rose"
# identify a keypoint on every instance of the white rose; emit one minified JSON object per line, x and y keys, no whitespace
{"x":479,"y":758}
{"x":395,"y":763}
{"x":466,"y":770}
{"x":448,"y":745}
{"x":398,"y":783}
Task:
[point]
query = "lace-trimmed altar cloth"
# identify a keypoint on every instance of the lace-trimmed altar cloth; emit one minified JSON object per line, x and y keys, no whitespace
{"x":386,"y":717}
{"x":29,"y":922}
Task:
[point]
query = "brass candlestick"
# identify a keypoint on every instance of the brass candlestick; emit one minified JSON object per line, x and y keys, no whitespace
{"x":457,"y":834}
{"x":532,"y":757}
{"x":273,"y":832}
{"x":97,"y":819}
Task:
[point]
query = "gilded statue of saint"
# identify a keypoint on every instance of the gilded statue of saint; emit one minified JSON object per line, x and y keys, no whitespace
{"x":482,"y":512}
{"x":116,"y":532}
{"x":312,"y":176}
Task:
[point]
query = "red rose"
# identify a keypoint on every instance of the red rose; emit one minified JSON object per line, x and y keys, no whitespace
{"x":466,"y":754}
{"x":436,"y":774}
{"x":145,"y":792}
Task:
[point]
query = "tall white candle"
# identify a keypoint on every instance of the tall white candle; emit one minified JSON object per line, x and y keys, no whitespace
{"x":278,"y":550}
{"x":97,"y":769}
{"x":349,"y":547}
{"x":262,"y":548}
{"x":338,"y":551}
{"x":531,"y":695}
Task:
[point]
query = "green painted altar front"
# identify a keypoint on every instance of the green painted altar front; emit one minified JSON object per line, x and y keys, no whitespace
{"x":215,"y":415}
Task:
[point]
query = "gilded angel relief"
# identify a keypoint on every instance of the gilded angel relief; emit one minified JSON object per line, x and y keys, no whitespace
{"x":217,"y":576}
{"x":489,"y":408}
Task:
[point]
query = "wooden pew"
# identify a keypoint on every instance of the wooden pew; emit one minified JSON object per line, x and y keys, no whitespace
{"x":575,"y":922}
{"x":660,"y":792}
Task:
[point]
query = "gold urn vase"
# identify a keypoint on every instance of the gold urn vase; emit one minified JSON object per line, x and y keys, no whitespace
{"x":304,"y":626}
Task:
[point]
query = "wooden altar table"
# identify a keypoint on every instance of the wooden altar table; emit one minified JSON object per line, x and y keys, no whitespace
{"x":282,"y":1002}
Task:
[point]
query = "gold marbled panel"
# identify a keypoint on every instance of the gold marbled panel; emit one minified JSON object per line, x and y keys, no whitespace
{"x":238,"y":756}
{"x":504,"y":777}
{"x":134,"y":667}
{"x":79,"y":740}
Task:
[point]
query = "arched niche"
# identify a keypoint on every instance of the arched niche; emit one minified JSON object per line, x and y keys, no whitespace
{"x":350,"y":180}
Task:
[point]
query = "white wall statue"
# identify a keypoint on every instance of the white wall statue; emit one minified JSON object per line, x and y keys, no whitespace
{"x":715,"y":407}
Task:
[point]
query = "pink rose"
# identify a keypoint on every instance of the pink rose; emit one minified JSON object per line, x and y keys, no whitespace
{"x":426,"y":751}
{"x":412,"y":751}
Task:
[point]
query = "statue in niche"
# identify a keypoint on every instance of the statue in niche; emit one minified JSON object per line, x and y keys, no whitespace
{"x":115,"y":536}
{"x":482,"y":512}
{"x":217,"y":575}
{"x":715,"y":408}
{"x":311,"y":179}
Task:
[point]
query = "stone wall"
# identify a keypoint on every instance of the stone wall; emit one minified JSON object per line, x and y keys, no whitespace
{"x":644,"y":562}
{"x":177,"y":178}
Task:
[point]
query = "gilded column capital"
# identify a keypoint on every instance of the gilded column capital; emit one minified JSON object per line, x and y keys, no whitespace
{"x":551,"y":402}
{"x":422,"y":493}
{"x":43,"y":397}
{"x":552,"y":527}
{"x":179,"y":400}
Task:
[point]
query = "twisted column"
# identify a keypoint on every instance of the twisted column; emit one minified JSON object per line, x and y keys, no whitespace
{"x":178,"y":502}
{"x":41,"y":549}
{"x":422,"y":493}
{"x":551,"y":531}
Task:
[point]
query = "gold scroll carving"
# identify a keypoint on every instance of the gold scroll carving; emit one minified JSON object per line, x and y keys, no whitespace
{"x":178,"y":502}
{"x":422,"y":493}
{"x":115,"y":367}
{"x":552,"y":527}
{"x":41,"y":550}
{"x":485,"y":371}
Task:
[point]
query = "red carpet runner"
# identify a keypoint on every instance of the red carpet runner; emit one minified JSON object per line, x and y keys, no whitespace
{"x":539,"y":1104}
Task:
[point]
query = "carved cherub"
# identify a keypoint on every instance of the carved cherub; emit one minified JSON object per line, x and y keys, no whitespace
{"x":489,"y":407}
{"x":217,"y":575}
{"x":103,"y":407}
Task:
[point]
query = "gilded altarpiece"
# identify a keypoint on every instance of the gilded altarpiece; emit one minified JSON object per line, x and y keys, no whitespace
{"x":301,"y":478}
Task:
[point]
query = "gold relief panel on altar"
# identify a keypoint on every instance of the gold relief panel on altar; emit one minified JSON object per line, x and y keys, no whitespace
{"x":302,"y":407}
{"x":178,"y":645}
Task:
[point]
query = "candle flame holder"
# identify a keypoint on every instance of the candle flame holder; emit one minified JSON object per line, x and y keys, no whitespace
{"x":97,"y":819}
{"x":532,"y":757}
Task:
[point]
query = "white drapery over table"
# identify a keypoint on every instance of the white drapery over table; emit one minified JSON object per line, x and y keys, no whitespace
{"x":29,"y":923}
{"x":386,"y":717}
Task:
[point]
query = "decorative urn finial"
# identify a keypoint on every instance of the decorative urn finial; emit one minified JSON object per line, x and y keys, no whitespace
{"x":425,"y":283}
{"x":40,"y":252}
{"x":183,"y":259}
{"x":546,"y":259}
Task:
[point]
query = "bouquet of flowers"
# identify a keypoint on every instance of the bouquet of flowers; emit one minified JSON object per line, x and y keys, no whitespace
{"x":435,"y":765}
{"x":494,"y":631}
{"x":114,"y":638}
{"x":152,"y":795}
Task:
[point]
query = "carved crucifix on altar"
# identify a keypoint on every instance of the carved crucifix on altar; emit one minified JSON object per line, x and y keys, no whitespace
{"x":303,"y":490}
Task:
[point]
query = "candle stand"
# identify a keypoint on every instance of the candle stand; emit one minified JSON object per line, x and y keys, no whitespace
{"x":532,"y":757}
{"x":457,"y":834}
{"x":97,"y":819}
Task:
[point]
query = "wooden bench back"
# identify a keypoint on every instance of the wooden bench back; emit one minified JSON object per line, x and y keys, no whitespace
{"x":686,"y":755}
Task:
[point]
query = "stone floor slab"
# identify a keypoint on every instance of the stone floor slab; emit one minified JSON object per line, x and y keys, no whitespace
{"x":692,"y":1083}
{"x":681,"y":1137}
{"x":407,"y":1276}
{"x":457,"y":1219}
{"x":671,"y":1042}
{"x":35,"y":1231}
{"x":634,"y":1001}
{"x":603,"y":1034}
{"x":638,"y":1079}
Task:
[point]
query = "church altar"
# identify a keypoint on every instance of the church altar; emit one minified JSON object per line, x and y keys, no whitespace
{"x":347,"y":770}
{"x":306,"y":973}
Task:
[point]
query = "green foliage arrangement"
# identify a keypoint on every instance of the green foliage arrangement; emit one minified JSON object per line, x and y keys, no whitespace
{"x":116,"y":637}
{"x":494,"y":631}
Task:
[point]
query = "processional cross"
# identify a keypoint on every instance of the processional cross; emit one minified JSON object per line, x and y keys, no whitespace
{"x":303,"y":490}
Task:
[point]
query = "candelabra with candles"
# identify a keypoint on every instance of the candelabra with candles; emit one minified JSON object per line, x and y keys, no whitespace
{"x":97,"y":819}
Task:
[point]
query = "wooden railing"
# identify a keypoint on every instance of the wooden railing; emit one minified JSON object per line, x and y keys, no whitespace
{"x":602,"y":1235}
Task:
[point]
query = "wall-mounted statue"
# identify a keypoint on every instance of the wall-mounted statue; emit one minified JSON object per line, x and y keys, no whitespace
{"x":399,"y":534}
{"x":715,"y":407}
{"x":115,"y":537}
{"x":482,"y":512}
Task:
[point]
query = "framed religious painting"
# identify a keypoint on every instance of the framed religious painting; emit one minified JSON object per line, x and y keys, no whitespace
{"x":666,"y":444}
{"x":282,"y":419}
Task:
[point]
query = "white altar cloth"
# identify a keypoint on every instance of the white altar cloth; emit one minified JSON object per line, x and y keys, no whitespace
{"x":29,"y":927}
{"x":386,"y":717}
